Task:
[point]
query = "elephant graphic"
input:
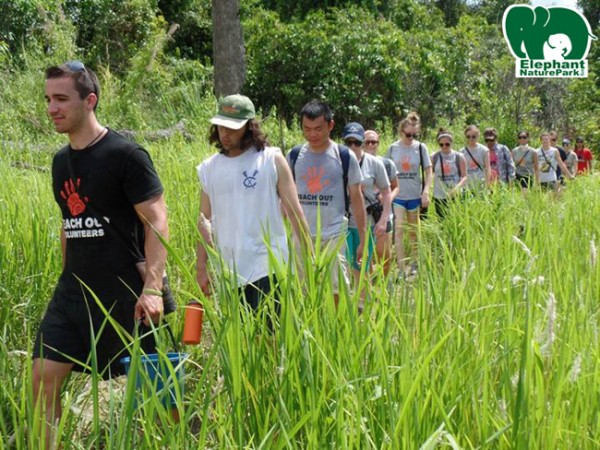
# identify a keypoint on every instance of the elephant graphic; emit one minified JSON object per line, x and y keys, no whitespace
{"x":540,"y":33}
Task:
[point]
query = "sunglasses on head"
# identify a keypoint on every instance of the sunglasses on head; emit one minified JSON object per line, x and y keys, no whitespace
{"x":75,"y":66}
{"x":410,"y":135}
{"x":353,"y":143}
{"x":471,"y":136}
{"x":370,"y":142}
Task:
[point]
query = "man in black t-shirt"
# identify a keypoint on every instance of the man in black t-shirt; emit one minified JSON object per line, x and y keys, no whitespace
{"x":563,"y":157}
{"x":113,"y":210}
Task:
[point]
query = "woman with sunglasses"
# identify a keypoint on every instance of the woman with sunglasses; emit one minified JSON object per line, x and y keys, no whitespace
{"x":549,"y":159}
{"x":502,"y":166}
{"x":415,"y":177}
{"x":584,"y":157}
{"x":478,"y":160}
{"x":375,"y":187}
{"x":526,"y":162}
{"x":450,"y":173}
{"x":384,"y":246}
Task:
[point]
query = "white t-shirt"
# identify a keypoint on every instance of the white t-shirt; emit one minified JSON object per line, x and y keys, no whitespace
{"x":246,"y":211}
{"x":547,"y":164}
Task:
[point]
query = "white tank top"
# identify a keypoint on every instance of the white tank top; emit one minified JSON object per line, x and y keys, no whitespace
{"x":246,"y":211}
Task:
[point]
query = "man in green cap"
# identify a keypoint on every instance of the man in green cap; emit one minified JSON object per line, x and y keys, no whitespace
{"x":243,"y":189}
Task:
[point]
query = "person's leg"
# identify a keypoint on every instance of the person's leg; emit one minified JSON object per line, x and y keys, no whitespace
{"x":400,"y":217}
{"x":413,"y":224}
{"x":339,"y":266}
{"x":384,"y":250}
{"x":441,"y":207}
{"x":48,"y":377}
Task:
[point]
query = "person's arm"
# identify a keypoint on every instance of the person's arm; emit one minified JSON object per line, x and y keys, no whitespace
{"x":487,"y":168}
{"x":63,"y":245}
{"x":153,"y":214}
{"x":463,"y":178}
{"x":427,"y":187}
{"x":386,"y":202}
{"x":286,"y":188}
{"x":562,"y":166}
{"x":395,"y":188}
{"x":536,"y":166}
{"x":510,"y":165}
{"x":204,"y":228}
{"x":357,"y":204}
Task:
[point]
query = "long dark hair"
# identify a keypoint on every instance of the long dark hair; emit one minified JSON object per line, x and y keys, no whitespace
{"x":253,"y":136}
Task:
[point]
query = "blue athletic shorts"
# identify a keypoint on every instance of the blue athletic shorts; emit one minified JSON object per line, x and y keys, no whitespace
{"x":409,"y":205}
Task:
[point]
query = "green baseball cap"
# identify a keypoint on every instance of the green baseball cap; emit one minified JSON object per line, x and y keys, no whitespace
{"x":234,"y":112}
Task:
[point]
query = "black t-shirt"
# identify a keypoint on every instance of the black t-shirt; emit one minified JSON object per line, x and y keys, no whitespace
{"x":563,"y":157}
{"x":108,"y":179}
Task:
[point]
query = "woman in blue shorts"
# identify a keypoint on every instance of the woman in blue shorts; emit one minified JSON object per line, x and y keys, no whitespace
{"x":415,"y":176}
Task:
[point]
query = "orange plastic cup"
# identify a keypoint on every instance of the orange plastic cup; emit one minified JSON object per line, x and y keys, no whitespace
{"x":192,"y":325}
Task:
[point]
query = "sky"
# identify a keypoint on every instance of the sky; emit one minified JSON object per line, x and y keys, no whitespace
{"x":568,"y":3}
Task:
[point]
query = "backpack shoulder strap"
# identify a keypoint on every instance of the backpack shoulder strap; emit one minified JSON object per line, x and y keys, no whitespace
{"x":422,"y":167}
{"x":294,"y":152}
{"x":457,"y":157}
{"x":345,"y":157}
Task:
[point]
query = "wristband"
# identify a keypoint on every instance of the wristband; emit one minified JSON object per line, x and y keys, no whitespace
{"x":149,"y":291}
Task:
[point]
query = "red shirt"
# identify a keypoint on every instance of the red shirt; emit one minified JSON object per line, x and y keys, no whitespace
{"x":583,"y":156}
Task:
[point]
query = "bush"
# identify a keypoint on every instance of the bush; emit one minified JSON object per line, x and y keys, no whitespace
{"x":346,"y":58}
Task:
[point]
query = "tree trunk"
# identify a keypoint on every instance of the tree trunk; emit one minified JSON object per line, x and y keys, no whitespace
{"x":228,"y":48}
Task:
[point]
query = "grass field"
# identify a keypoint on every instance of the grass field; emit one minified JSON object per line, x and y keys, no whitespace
{"x":493,"y":345}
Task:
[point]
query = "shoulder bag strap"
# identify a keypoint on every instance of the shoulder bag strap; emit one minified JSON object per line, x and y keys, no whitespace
{"x":471,"y":155}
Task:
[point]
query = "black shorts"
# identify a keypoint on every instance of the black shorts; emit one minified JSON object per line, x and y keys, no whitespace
{"x":526,"y":181}
{"x":548,"y":185}
{"x":253,"y":293}
{"x":70,"y":329}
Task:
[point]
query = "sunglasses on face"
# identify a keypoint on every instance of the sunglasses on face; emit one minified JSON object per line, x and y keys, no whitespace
{"x":353,"y":143}
{"x":489,"y":139}
{"x":522,"y":137}
{"x":410,"y":135}
{"x":445,"y":144}
{"x":371,"y":142}
{"x":471,"y":136}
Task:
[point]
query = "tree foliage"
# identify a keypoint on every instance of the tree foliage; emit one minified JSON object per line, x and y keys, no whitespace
{"x":373,"y":60}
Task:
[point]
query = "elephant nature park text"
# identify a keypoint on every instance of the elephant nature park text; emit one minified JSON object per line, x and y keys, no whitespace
{"x":547,"y":42}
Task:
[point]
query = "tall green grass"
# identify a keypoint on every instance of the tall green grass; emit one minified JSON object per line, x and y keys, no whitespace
{"x":493,"y":345}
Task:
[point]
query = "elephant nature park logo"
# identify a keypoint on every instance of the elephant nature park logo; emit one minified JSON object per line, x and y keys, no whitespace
{"x":548,"y":42}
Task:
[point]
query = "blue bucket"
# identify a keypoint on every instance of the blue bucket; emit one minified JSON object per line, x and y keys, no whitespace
{"x":158,"y":380}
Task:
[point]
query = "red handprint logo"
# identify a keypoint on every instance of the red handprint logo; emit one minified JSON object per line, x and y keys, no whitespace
{"x":314,"y":180}
{"x":75,"y":203}
{"x":447,"y":167}
{"x":405,"y":163}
